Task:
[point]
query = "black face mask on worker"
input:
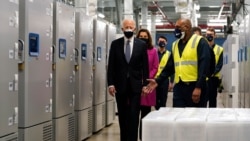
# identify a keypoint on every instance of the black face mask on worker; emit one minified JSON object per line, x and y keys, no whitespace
{"x":162,"y":44}
{"x":179,"y":34}
{"x":209,"y":38}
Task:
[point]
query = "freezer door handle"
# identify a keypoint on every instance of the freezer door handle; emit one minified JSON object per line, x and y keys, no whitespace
{"x":21,"y":51}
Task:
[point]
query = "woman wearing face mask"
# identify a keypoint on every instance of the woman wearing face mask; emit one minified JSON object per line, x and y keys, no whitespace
{"x":189,"y":61}
{"x":148,"y":100}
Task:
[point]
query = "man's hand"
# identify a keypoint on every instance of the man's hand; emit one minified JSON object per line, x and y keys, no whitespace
{"x":170,"y":86}
{"x":112,"y":90}
{"x":150,"y":87}
{"x":196,"y":95}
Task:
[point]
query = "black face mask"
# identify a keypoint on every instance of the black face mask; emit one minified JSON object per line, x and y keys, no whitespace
{"x":162,"y":44}
{"x":178,"y":33}
{"x":145,"y":40}
{"x":128,"y":33}
{"x":210,"y":38}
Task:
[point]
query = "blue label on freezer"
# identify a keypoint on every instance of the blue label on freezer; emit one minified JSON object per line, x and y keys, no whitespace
{"x":84,"y":51}
{"x":245,"y":53}
{"x":33,"y":44}
{"x":99,"y":53}
{"x":62,"y":48}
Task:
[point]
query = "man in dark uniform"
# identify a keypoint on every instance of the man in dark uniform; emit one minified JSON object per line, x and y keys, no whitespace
{"x":214,"y":82}
{"x":188,"y":60}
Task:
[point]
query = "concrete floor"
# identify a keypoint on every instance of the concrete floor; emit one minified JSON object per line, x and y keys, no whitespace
{"x":111,"y":133}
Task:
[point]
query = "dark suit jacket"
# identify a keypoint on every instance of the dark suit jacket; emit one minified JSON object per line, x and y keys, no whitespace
{"x":137,"y":68}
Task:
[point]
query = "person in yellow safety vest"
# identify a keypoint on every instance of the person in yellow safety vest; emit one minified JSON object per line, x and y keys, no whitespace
{"x":214,"y":82}
{"x":197,"y":30}
{"x":162,"y":90}
{"x":188,"y":60}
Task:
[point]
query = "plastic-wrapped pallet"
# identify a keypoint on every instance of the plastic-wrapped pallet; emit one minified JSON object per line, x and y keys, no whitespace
{"x":191,"y":125}
{"x":159,"y":125}
{"x":221,"y":125}
{"x":243,"y":117}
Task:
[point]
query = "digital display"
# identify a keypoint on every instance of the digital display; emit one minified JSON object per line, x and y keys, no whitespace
{"x":62,"y":48}
{"x":33,"y":44}
{"x":84,"y":51}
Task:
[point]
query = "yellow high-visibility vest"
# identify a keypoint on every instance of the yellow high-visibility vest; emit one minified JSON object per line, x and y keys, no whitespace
{"x":163,"y":63}
{"x":217,"y":52}
{"x":186,"y":66}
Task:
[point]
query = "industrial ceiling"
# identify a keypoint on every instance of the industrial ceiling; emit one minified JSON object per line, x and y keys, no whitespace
{"x":168,"y":11}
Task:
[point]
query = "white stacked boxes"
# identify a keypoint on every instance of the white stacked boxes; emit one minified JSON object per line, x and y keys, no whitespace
{"x":191,"y":125}
{"x":221,"y":125}
{"x":243,"y":117}
{"x":197,"y":124}
{"x":159,"y":125}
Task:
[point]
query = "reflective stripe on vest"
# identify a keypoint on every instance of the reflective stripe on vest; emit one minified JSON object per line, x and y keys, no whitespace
{"x":186,"y":66}
{"x":163,"y":63}
{"x":217,"y":52}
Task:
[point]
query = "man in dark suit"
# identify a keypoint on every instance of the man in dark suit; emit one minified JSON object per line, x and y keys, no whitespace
{"x":127,"y":74}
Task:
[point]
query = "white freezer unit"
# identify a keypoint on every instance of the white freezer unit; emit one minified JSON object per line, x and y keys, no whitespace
{"x":231,"y":71}
{"x":8,"y":71}
{"x":84,"y":76}
{"x":247,"y":62}
{"x":41,"y":132}
{"x":63,"y":71}
{"x":35,"y":70}
{"x":247,"y":76}
{"x":11,"y":137}
{"x":84,"y":124}
{"x":64,"y":128}
{"x":111,"y":105}
{"x":241,"y":60}
{"x":244,"y":53}
{"x":99,"y":82}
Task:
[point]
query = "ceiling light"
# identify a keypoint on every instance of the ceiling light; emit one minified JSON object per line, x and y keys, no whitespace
{"x":217,"y":20}
{"x":198,"y":15}
{"x":196,"y":6}
{"x":214,"y":6}
{"x":157,"y":20}
{"x":216,"y":24}
{"x":101,"y":15}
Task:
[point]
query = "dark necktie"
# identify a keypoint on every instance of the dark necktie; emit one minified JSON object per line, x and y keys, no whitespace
{"x":127,"y":51}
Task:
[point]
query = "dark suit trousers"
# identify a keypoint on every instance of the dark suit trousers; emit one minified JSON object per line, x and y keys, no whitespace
{"x":128,"y":105}
{"x":213,"y":83}
{"x":182,"y":96}
{"x":161,"y":95}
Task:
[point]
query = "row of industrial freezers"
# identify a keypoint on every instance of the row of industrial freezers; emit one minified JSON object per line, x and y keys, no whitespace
{"x":53,"y":72}
{"x":236,"y":67}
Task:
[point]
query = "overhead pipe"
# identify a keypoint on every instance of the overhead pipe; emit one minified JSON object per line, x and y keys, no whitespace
{"x":221,"y":9}
{"x":162,"y":13}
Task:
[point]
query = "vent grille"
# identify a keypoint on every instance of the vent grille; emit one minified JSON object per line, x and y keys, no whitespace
{"x":71,"y":131}
{"x":47,"y":133}
{"x":90,"y":121}
{"x":113,"y":110}
{"x":13,"y":138}
{"x":103,"y":115}
{"x":77,"y":126}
